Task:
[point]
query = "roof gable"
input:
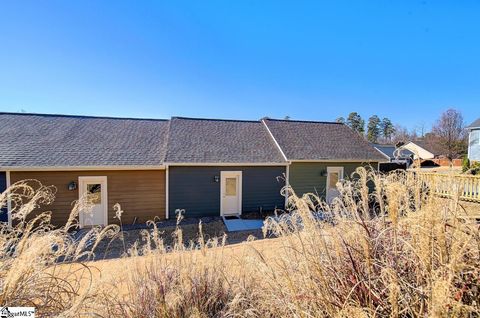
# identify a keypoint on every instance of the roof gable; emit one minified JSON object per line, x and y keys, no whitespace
{"x":475,"y":124}
{"x":193,"y":140}
{"x":36,"y":140}
{"x":309,"y":140}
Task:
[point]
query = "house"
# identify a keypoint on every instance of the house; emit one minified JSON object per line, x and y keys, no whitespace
{"x":397,"y":157}
{"x":222,"y":167}
{"x":421,"y":150}
{"x":155,"y":167}
{"x":474,"y":141}
{"x":393,"y":153}
{"x":320,"y":154}
{"x":114,"y":159}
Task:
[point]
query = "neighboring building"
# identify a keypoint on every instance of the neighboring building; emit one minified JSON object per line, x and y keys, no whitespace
{"x":474,"y":141}
{"x":393,"y":153}
{"x":320,"y":154}
{"x":222,"y":167}
{"x":119,"y":159}
{"x":421,"y":150}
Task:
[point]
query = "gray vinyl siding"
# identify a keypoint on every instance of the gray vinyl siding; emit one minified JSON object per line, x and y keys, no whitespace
{"x":194,"y":189}
{"x":307,"y":177}
{"x":474,"y":145}
{"x":3,"y":187}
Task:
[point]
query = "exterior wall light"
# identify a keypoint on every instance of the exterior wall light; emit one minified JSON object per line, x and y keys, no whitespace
{"x":216,"y":178}
{"x":72,"y":186}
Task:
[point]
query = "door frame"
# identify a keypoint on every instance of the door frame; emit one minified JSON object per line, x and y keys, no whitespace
{"x":97,"y":179}
{"x":223,"y":175}
{"x":338,"y":169}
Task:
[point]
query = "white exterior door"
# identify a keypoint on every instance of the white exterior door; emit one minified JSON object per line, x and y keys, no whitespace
{"x":93,"y":192}
{"x":334,"y":174}
{"x":230,"y":192}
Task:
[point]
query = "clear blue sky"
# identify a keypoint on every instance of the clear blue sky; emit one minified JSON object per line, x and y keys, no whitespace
{"x":408,"y":60}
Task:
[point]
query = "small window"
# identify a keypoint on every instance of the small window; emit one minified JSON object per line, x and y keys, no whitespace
{"x":94,"y":192}
{"x":333,"y":180}
{"x":231,"y":186}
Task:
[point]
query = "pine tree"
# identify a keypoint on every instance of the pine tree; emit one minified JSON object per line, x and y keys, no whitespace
{"x":373,"y":128}
{"x":356,"y":122}
{"x":387,"y":129}
{"x":340,"y":120}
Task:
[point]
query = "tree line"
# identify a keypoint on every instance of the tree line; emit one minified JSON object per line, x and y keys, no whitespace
{"x":447,"y":137}
{"x":378,"y":130}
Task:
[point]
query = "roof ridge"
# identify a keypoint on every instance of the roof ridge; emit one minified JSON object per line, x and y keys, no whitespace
{"x":80,"y":116}
{"x":216,"y":119}
{"x":304,"y":121}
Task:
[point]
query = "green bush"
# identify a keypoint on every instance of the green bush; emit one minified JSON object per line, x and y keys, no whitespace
{"x":465,"y":164}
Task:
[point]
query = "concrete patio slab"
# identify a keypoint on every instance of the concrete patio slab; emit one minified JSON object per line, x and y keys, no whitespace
{"x":233,"y":225}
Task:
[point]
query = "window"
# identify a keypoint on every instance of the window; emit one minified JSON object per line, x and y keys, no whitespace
{"x":94,"y":192}
{"x":231,"y":186}
{"x":333,"y":180}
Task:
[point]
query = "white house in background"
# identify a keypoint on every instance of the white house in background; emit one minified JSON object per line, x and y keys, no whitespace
{"x":474,"y":141}
{"x":418,"y":148}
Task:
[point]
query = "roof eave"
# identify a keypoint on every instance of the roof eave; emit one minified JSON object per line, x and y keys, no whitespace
{"x":226,"y":163}
{"x":82,"y":168}
{"x":337,"y":160}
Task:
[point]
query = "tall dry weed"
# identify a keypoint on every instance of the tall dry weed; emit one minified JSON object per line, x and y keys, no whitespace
{"x":386,"y":247}
{"x":42,"y":266}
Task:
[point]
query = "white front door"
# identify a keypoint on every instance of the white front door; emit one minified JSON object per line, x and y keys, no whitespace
{"x":230,"y":192}
{"x":93,"y":193}
{"x":334,"y":175}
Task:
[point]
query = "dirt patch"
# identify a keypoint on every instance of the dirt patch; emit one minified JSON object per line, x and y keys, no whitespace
{"x":125,"y":240}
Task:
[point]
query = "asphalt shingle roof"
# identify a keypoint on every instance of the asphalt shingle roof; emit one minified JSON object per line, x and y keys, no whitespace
{"x":36,"y":140}
{"x":389,"y":151}
{"x":475,"y":124}
{"x":224,"y":141}
{"x":39,"y":140}
{"x":308,"y":140}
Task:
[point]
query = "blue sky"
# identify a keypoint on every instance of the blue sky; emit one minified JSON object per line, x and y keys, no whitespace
{"x":407,"y":60}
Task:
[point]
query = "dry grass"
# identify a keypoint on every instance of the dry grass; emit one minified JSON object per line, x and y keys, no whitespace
{"x":394,"y":252}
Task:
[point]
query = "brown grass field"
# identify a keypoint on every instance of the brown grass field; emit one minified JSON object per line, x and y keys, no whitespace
{"x":397,"y":251}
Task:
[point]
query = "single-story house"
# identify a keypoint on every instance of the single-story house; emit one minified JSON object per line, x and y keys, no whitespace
{"x":155,"y":167}
{"x":222,"y":167}
{"x":118,"y":160}
{"x":474,"y":141}
{"x":320,"y":154}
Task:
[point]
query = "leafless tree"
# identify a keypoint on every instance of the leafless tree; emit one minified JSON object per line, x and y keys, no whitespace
{"x":450,"y":128}
{"x":401,"y":134}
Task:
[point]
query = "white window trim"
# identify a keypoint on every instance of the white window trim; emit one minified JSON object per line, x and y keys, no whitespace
{"x":239,"y":190}
{"x":104,"y":181}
